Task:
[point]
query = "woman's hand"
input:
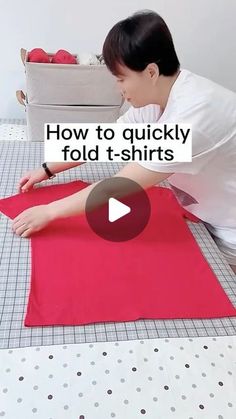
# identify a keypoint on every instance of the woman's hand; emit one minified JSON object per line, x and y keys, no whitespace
{"x":31,"y":220}
{"x":30,"y":178}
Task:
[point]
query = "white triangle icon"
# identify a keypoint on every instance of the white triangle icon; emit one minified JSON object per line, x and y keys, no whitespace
{"x":117,"y":209}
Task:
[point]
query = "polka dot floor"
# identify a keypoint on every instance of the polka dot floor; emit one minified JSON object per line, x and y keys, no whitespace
{"x":155,"y":378}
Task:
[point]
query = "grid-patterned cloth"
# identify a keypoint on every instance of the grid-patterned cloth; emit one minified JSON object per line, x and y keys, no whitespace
{"x":16,"y":157}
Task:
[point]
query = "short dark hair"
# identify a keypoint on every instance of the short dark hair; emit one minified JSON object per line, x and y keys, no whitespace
{"x":139,"y":40}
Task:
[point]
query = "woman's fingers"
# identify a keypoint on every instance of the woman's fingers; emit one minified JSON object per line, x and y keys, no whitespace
{"x":27,"y":232}
{"x":23,"y":180}
{"x":21,"y":229}
{"x":28,"y":185}
{"x":22,"y":183}
{"x":17,"y":224}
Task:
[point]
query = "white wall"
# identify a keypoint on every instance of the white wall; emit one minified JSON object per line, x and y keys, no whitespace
{"x":204,"y":32}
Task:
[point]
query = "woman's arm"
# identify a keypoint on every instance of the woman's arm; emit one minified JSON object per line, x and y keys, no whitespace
{"x":75,"y":204}
{"x":62,"y":166}
{"x":36,"y":218}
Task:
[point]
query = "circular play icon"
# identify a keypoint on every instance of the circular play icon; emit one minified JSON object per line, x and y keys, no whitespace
{"x":117,"y":209}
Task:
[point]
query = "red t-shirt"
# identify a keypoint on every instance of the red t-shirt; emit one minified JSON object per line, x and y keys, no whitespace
{"x":78,"y":278}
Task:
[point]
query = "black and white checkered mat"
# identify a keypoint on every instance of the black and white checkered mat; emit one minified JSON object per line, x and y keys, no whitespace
{"x":16,"y":157}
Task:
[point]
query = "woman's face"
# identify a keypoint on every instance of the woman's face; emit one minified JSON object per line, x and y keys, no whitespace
{"x":137,"y":87}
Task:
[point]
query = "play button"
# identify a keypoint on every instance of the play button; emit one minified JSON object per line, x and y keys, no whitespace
{"x":117,"y":209}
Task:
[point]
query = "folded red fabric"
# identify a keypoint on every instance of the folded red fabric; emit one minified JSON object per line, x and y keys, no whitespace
{"x":38,"y":55}
{"x":63,"y":57}
{"x":79,"y":278}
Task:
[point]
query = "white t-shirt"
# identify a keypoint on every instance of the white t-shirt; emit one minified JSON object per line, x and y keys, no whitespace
{"x":207,"y":185}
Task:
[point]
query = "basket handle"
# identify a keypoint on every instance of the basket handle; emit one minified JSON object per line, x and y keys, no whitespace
{"x":21,"y":97}
{"x":23,"y":53}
